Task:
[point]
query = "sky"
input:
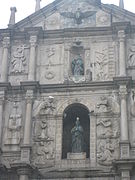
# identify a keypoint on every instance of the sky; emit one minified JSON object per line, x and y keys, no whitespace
{"x":27,"y":7}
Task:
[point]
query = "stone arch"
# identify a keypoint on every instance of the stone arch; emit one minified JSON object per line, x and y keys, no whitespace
{"x":65,"y":103}
{"x":70,"y":115}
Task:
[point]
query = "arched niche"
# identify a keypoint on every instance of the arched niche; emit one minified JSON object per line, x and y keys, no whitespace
{"x":70,"y":115}
{"x":77,"y":56}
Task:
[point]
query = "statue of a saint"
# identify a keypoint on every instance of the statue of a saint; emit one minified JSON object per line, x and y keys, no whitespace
{"x":77,"y":66}
{"x":77,"y":137}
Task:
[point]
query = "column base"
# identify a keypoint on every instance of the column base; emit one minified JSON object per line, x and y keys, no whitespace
{"x":125,"y":166}
{"x":124,"y":149}
{"x":25,"y":153}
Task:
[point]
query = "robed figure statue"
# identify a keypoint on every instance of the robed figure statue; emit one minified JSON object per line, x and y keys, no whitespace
{"x":77,"y":137}
{"x":77,"y":66}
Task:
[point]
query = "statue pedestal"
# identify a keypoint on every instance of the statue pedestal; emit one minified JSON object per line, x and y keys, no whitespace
{"x":75,"y":156}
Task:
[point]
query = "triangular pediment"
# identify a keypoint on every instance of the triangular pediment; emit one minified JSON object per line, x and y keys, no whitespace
{"x":63,"y":14}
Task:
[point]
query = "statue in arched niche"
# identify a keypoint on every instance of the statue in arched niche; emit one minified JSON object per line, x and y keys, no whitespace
{"x":77,"y":137}
{"x":77,"y":66}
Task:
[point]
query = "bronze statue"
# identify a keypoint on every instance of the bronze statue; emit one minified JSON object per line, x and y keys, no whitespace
{"x":77,"y":137}
{"x":77,"y":66}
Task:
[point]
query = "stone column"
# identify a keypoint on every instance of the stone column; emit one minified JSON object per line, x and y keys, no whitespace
{"x":2,"y":95}
{"x":59,"y":125}
{"x":125,"y":175}
{"x":25,"y":149}
{"x":93,"y":140}
{"x":23,"y":173}
{"x":32,"y":58}
{"x":122,"y":50}
{"x":124,"y":119}
{"x":23,"y":177}
{"x":124,"y":137}
{"x":4,"y":65}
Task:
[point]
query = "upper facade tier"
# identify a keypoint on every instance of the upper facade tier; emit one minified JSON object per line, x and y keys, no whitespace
{"x":69,"y":41}
{"x":63,"y":14}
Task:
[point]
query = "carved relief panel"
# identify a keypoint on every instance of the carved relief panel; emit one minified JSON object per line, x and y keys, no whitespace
{"x":130,"y":54}
{"x":50,"y":64}
{"x":0,"y":59}
{"x":14,"y":124}
{"x":103,"y":62}
{"x":43,"y":151}
{"x":19,"y":60}
{"x":52,"y":22}
{"x":103,"y":19}
{"x":18,"y":63}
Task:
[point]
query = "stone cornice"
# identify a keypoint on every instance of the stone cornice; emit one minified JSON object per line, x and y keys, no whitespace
{"x":69,"y":32}
{"x":127,"y":80}
{"x":102,"y":85}
{"x":124,"y":164}
{"x":29,"y":85}
{"x":5,"y":86}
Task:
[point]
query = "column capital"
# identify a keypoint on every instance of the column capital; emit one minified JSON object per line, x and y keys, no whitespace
{"x":123,"y":91}
{"x":6,"y":42}
{"x":33,"y":41}
{"x":121,"y":34}
{"x":2,"y":97}
{"x":29,"y":96}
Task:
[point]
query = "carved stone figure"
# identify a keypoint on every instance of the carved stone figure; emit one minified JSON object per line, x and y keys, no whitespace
{"x":18,"y":60}
{"x":43,"y":130}
{"x":14,"y":127}
{"x":77,"y":137}
{"x":43,"y":151}
{"x":78,"y":16}
{"x":102,"y":105}
{"x":108,"y":104}
{"x":105,"y":155}
{"x":45,"y":108}
{"x":113,"y":103}
{"x":131,"y":56}
{"x":77,"y":66}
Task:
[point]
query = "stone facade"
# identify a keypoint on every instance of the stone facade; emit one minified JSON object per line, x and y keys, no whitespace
{"x":69,"y":59}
